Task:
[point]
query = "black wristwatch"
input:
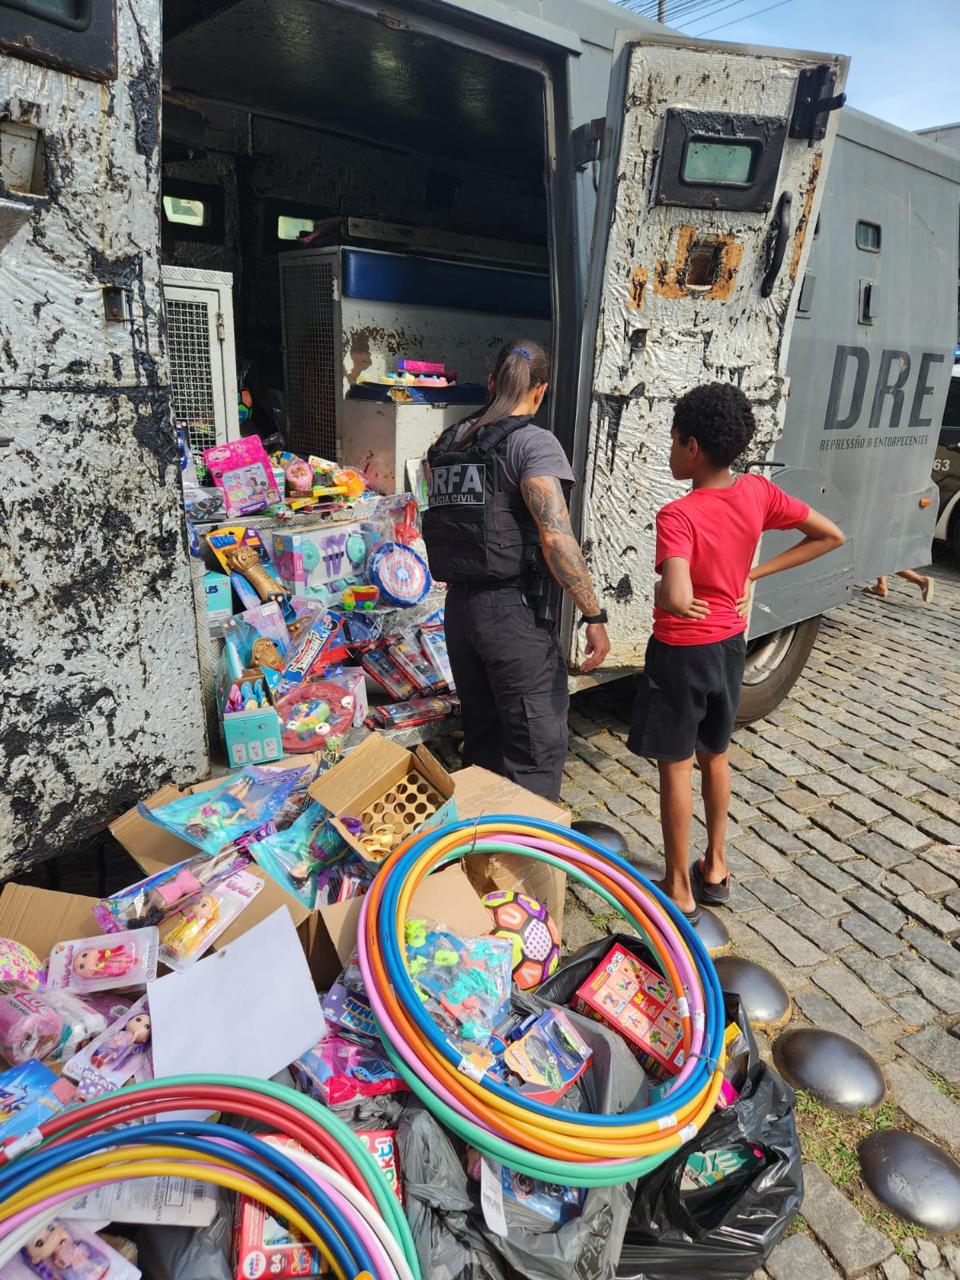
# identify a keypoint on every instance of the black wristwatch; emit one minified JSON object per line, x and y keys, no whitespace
{"x":596,"y":617}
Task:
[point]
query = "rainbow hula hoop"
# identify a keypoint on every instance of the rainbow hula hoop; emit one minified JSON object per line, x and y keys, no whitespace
{"x":545,"y":1142}
{"x":333,"y":1191}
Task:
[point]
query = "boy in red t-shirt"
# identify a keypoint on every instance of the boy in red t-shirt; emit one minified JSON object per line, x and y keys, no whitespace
{"x":690,"y":686}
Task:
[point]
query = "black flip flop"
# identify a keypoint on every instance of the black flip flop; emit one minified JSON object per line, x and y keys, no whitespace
{"x":691,"y":917}
{"x":714,"y":895}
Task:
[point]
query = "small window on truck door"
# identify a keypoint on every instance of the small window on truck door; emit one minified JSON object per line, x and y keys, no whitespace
{"x":868,"y":236}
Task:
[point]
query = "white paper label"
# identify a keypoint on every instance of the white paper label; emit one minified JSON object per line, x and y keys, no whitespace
{"x":491,"y":1197}
{"x":165,"y":1201}
{"x":683,"y":1007}
{"x":468,"y":1067}
{"x":699,"y":1018}
{"x":667,"y":1122}
{"x":687,"y":1132}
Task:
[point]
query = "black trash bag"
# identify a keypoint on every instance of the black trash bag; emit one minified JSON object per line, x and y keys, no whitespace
{"x":440,"y":1201}
{"x":727,"y":1231}
{"x":189,"y":1253}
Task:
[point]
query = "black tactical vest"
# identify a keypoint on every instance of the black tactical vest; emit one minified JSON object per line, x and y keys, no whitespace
{"x":475,"y":531}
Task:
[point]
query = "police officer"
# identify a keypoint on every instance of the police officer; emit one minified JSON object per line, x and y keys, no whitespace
{"x":496,"y":529}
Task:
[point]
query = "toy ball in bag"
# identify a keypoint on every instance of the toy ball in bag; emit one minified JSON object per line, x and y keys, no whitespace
{"x":528,"y":926}
{"x":19,"y":964}
{"x":314,"y":715}
{"x":400,"y":575}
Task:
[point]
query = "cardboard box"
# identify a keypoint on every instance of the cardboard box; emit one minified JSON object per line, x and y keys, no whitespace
{"x":262,"y":1246}
{"x":40,"y":918}
{"x":368,"y":774}
{"x":219,"y":594}
{"x":329,"y":935}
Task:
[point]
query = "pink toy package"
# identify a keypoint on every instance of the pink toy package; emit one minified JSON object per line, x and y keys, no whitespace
{"x":44,"y":1024}
{"x":109,"y":962}
{"x":242,"y":470}
{"x":67,"y":1250}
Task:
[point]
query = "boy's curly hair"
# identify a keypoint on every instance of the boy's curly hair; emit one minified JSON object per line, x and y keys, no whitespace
{"x":719,"y":417}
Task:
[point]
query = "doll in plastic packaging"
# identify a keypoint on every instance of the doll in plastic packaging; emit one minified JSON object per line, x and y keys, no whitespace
{"x":53,"y":1252}
{"x":183,"y":933}
{"x":43,"y":1024}
{"x":125,"y":1046}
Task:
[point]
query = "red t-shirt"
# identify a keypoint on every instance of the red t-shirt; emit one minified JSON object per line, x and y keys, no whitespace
{"x":716,"y":531}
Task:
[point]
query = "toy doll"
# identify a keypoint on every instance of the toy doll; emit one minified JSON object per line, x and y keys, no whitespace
{"x":185,"y":931}
{"x":11,"y":1101}
{"x":54,"y":1254}
{"x":132,"y":1041}
{"x":103,"y":962}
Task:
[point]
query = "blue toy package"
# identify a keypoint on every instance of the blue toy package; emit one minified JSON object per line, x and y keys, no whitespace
{"x":401,"y":576}
{"x":463,"y":982}
{"x":294,"y":857}
{"x":29,"y":1095}
{"x":556,"y":1203}
{"x":235,"y":807}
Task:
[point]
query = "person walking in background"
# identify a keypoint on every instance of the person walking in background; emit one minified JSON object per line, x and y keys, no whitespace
{"x":925,"y":584}
{"x":690,"y":686}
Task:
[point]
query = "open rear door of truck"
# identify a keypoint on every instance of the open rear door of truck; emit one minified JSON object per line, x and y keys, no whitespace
{"x":712,"y":168}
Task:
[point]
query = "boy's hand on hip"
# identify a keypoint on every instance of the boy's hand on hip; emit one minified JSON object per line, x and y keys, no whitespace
{"x":696,"y":610}
{"x":598,"y":646}
{"x":743,"y":604}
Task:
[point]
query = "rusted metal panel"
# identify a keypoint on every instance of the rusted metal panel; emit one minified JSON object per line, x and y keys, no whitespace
{"x":98,"y":633}
{"x":679,"y":304}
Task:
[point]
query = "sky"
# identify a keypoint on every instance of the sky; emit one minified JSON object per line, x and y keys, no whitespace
{"x":905,"y":54}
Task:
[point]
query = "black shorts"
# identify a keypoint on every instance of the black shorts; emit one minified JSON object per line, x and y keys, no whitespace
{"x":688,"y":699}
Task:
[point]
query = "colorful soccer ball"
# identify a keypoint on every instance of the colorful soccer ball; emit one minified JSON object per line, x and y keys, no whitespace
{"x":528,"y":926}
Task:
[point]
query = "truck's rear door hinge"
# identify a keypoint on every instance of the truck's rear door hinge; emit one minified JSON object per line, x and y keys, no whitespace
{"x":585,"y":143}
{"x":814,"y":101}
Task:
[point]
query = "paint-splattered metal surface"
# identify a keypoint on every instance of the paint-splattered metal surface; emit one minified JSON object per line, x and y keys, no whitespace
{"x":101,"y":683}
{"x":680,"y":304}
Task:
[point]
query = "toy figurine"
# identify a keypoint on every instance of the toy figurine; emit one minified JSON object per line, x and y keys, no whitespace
{"x":184,"y":932}
{"x":265,"y":654}
{"x":131,"y":1041}
{"x":299,"y":475}
{"x":103,"y":962}
{"x":54,"y":1254}
{"x":246,"y":561}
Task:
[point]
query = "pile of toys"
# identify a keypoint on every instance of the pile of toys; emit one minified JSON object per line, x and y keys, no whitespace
{"x":411,"y":1076}
{"x":338,"y":627}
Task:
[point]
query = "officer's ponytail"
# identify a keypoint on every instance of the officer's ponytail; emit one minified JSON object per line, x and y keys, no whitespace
{"x":521,"y":365}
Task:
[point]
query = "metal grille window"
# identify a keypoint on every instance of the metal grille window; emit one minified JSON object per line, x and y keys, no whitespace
{"x":191,"y":372}
{"x":311,"y":358}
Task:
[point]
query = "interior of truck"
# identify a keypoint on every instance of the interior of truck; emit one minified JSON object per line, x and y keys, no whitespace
{"x":419,"y":156}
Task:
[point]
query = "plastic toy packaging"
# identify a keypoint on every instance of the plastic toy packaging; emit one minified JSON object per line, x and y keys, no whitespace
{"x":338,"y":1070}
{"x":400,"y":575}
{"x":406,"y":653}
{"x":320,"y":646}
{"x":556,"y":1203}
{"x":380,"y":667}
{"x":242,"y":469}
{"x":44,"y":1024}
{"x":314,"y":716}
{"x":294,"y":857}
{"x":259,"y":635}
{"x":187,"y":934}
{"x":110,"y":962}
{"x":463,"y":982}
{"x":148,"y":901}
{"x":341,"y":882}
{"x":433,"y":641}
{"x":354,"y":685}
{"x":245,"y":800}
{"x":120,"y":1054}
{"x":29,"y":1094}
{"x":549,"y":1057}
{"x":404,"y":715}
{"x":65,"y":1249}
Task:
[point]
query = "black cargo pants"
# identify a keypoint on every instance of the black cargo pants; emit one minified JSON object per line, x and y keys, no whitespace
{"x":511,"y":678}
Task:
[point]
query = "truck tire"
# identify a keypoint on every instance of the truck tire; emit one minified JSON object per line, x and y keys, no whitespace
{"x":953,"y":536}
{"x":773,"y":664}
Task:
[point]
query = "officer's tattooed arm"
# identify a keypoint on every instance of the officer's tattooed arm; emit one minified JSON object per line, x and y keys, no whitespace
{"x":546,"y":503}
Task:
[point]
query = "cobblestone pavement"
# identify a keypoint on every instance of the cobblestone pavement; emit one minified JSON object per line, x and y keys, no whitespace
{"x":845,"y":849}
